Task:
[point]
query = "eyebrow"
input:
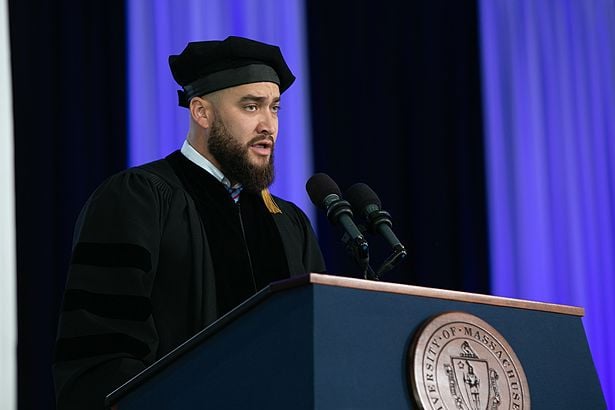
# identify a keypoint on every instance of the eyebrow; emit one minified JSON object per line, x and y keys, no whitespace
{"x":255,"y":98}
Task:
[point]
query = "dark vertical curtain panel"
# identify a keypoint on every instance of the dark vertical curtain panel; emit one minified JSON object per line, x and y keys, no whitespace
{"x":397,"y":105}
{"x":69,"y":107}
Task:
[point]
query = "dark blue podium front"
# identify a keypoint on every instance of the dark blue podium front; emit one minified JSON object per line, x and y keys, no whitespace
{"x":326,"y":342}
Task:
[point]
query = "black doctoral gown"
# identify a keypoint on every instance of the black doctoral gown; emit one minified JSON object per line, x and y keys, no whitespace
{"x":142,"y":278}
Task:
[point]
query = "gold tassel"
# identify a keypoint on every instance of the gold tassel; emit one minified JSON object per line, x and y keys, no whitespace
{"x":269,"y":202}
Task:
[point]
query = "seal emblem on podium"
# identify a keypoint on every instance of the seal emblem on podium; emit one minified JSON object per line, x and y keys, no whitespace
{"x":457,"y":361}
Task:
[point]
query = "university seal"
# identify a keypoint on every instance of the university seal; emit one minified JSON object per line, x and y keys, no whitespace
{"x":458,"y":361}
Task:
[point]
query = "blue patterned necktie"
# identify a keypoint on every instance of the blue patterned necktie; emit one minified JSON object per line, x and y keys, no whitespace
{"x":235,"y":191}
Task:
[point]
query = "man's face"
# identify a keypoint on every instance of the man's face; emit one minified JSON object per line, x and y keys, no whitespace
{"x":243,"y":133}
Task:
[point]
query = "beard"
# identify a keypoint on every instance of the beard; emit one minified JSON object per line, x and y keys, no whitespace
{"x":235,"y":161}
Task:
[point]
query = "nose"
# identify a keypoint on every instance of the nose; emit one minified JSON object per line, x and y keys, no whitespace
{"x":268,"y":124}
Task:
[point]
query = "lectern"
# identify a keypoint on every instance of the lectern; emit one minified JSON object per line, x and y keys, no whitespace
{"x":328,"y":342}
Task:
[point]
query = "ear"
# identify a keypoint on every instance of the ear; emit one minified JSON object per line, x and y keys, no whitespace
{"x":200,"y":111}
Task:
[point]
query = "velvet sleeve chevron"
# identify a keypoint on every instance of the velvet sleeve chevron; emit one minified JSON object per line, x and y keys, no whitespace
{"x":106,"y":325}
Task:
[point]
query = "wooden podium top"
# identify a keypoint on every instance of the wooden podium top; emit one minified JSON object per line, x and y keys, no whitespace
{"x":377,"y":286}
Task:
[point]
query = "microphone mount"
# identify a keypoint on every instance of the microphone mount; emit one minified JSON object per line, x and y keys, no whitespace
{"x":398,"y":255}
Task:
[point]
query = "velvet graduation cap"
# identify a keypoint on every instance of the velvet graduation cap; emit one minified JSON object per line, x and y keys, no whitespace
{"x":207,"y":66}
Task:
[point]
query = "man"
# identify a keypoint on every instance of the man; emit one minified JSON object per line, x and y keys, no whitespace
{"x":164,"y":249}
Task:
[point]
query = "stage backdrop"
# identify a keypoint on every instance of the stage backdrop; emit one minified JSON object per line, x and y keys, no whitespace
{"x":549,"y":92}
{"x":397,"y":104}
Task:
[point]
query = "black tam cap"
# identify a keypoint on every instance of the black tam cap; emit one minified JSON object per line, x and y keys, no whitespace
{"x":207,"y":66}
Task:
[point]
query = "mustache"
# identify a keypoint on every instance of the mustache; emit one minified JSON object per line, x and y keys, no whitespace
{"x":259,"y":138}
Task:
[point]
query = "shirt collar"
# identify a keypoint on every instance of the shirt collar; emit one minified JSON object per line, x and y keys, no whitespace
{"x":196,"y":157}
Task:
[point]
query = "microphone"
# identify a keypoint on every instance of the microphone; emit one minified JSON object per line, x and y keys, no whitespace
{"x":326,"y":195}
{"x":365,"y":202}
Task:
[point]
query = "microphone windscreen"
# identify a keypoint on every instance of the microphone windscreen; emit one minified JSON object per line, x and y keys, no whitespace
{"x":319,"y":186}
{"x":360,"y":196}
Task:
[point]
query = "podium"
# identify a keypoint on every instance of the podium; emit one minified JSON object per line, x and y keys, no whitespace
{"x":329,"y":342}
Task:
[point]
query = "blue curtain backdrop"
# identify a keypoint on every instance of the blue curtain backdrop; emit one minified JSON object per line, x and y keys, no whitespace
{"x":159,"y":28}
{"x":549,"y":92}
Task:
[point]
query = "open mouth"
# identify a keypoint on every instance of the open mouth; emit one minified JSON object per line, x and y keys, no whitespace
{"x":262,"y":147}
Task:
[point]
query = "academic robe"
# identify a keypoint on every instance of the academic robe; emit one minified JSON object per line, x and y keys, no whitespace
{"x":142,"y":281}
